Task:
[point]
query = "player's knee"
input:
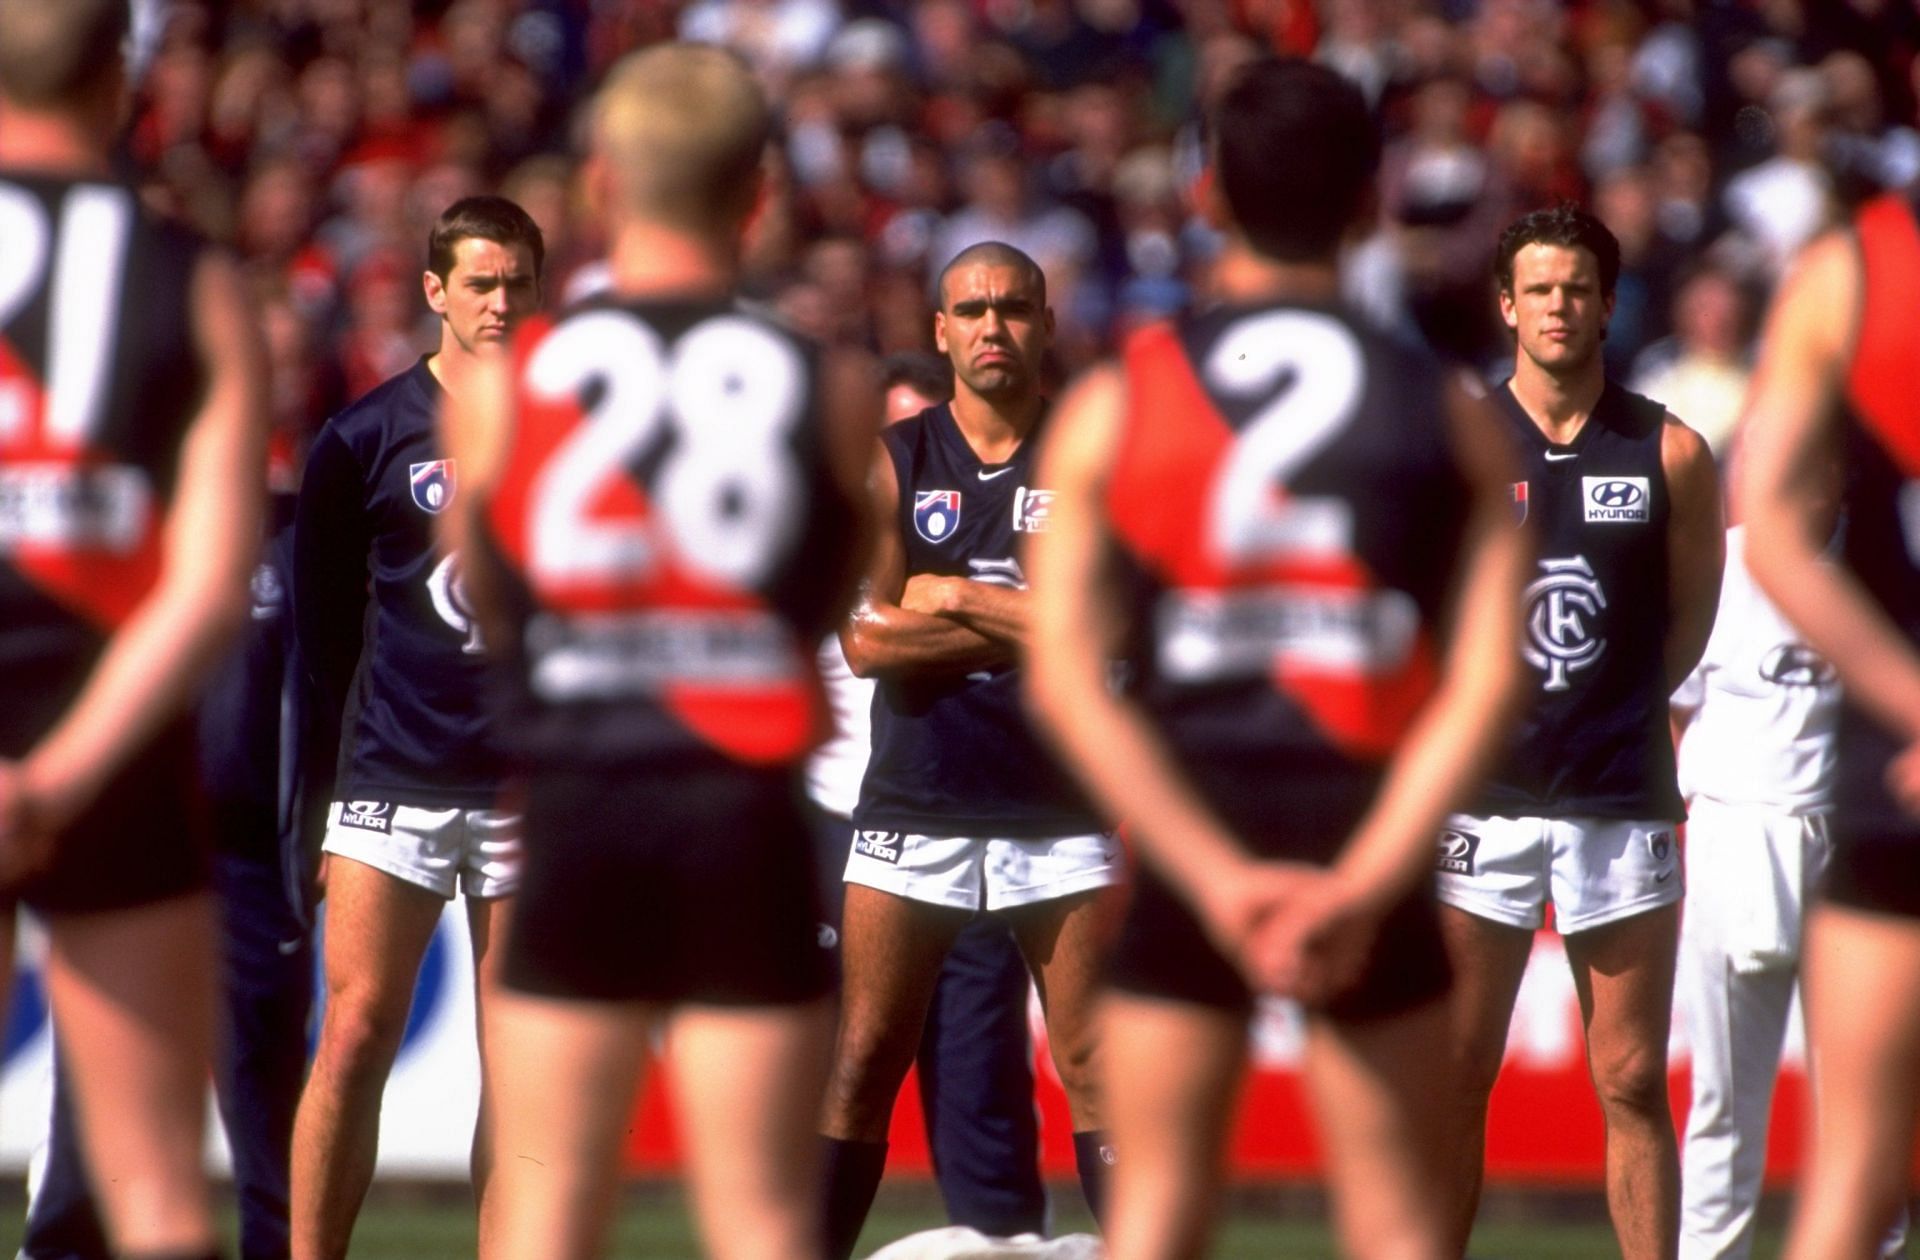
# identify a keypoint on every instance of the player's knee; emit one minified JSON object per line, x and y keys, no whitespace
{"x":1632,"y":1079}
{"x":1476,"y":1066}
{"x":1074,"y":1057}
{"x":869,"y":1063}
{"x":361,"y":1035}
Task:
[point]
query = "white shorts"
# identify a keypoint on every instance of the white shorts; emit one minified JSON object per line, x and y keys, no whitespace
{"x":977,"y":874}
{"x":430,"y":848}
{"x":1595,"y":870}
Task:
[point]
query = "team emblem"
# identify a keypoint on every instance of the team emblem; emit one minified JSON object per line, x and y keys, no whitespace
{"x":1519,"y":503}
{"x":936,"y":514}
{"x":1456,"y":852}
{"x":432,"y":484}
{"x":1616,"y":499}
{"x":1562,"y":607}
{"x":1032,"y":510}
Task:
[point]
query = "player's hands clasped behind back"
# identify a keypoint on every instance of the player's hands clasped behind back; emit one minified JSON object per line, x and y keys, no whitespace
{"x":1293,"y":929}
{"x":26,"y":831}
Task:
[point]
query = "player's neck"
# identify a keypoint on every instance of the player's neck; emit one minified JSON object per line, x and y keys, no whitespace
{"x":648,"y":260}
{"x":452,"y":364}
{"x":1245,"y":276}
{"x":1558,"y":402}
{"x":54,"y":143}
{"x":995,"y":429}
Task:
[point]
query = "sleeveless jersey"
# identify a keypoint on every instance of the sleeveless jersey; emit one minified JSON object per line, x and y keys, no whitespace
{"x":99,"y":379}
{"x":667,"y":528}
{"x":1594,"y":740}
{"x":1289,"y":512}
{"x":364,"y":534}
{"x":1880,"y":534}
{"x":954,"y":754}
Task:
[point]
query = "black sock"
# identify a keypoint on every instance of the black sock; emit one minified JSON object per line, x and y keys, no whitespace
{"x":852,"y":1174}
{"x":1092,"y":1155}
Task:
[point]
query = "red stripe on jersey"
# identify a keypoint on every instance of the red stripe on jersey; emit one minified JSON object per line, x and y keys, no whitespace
{"x":101,"y":584}
{"x":1883,"y":381}
{"x":764,"y":726}
{"x":1159,"y":502}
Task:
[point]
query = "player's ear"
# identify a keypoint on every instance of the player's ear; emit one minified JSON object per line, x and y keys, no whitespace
{"x":436,"y":291}
{"x":940,"y":331}
{"x":1508,"y":315}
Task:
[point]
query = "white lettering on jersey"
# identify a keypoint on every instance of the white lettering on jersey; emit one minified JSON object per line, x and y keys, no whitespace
{"x":105,"y":508}
{"x":725,"y":496}
{"x":1314,"y":367}
{"x":1560,"y":607}
{"x":449,"y":595}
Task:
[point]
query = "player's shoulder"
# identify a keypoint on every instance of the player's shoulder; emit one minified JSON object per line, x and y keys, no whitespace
{"x":393,"y":409}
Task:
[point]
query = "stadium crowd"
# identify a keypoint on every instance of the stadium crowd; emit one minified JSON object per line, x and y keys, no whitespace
{"x":321,"y":137}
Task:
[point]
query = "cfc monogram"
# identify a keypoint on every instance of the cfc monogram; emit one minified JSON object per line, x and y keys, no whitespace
{"x":1562,"y":606}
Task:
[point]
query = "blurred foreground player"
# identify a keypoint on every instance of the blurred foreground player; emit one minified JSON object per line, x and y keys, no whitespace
{"x":1839,"y":374}
{"x":663,"y":521}
{"x":1301,"y":536}
{"x":132,"y":452}
{"x":962,"y":811}
{"x":416,"y":814}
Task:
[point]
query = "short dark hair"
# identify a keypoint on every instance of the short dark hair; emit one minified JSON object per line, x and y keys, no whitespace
{"x":925,"y":373}
{"x":993,"y":254}
{"x":1567,"y":226}
{"x":53,"y":52}
{"x":1294,"y":149}
{"x":483,"y":218}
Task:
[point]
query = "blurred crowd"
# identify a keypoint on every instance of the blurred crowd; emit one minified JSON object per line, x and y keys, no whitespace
{"x":321,"y":137}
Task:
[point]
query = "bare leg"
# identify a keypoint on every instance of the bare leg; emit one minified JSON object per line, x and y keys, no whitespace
{"x":890,"y":954}
{"x":564,"y":1078}
{"x":1863,"y":1012}
{"x":1380,"y":1094}
{"x":1065,"y":944}
{"x":1489,"y":960}
{"x":378,"y":928}
{"x":1623,"y":973}
{"x":747,"y":1087}
{"x":133,"y":996}
{"x":487,"y":920}
{"x":1173,"y":1073}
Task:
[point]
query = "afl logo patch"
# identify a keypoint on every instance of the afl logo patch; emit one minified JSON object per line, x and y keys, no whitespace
{"x":1797,"y":665}
{"x":1616,"y":499}
{"x":1456,"y":852}
{"x":367,"y":815}
{"x":936,"y":514}
{"x":1519,"y":503}
{"x":432,"y":484}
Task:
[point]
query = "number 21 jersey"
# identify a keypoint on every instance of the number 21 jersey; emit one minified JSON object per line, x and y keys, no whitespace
{"x":672,"y":534}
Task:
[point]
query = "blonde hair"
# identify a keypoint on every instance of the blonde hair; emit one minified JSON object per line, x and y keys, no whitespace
{"x":682,"y":128}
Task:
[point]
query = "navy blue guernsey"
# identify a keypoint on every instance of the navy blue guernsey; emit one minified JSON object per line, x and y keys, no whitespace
{"x":364,"y":533}
{"x":1595,"y":740}
{"x":99,"y":380}
{"x":954,"y":754}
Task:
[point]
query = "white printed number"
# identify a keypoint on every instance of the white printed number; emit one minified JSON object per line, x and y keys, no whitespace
{"x":724,"y":498}
{"x":1316,"y":364}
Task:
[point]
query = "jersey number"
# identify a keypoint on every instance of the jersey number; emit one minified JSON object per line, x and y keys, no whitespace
{"x":726,"y":495}
{"x":82,"y":265}
{"x":1312,"y":366}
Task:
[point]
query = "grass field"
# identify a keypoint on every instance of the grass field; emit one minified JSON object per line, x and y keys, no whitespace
{"x":436,"y":1223}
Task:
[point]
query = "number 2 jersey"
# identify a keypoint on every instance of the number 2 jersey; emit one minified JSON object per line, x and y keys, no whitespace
{"x":669,"y":538}
{"x":1288,"y":511}
{"x":99,"y":380}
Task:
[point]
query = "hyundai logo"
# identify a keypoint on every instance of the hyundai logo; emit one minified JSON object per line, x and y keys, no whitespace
{"x":1617,"y":494}
{"x":1454,"y":845}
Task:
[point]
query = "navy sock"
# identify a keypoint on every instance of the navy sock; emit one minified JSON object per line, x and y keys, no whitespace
{"x":1092,"y":1155}
{"x":852,"y":1174}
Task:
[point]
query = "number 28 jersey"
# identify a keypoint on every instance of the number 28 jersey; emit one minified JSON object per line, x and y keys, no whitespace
{"x":672,"y":535}
{"x":1288,"y":509}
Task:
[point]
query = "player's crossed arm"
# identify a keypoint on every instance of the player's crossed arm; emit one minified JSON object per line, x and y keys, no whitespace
{"x":894,"y":630}
{"x":1696,"y":547}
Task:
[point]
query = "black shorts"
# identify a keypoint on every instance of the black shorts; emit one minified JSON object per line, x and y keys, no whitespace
{"x":1877,"y":871}
{"x":1163,"y":952}
{"x":141,"y":842}
{"x":688,"y":882}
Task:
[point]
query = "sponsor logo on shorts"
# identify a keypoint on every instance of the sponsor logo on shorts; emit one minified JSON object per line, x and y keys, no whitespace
{"x":1660,"y":843}
{"x":1615,"y":500}
{"x":1456,"y":852}
{"x":368,"y":815}
{"x":883,"y":846}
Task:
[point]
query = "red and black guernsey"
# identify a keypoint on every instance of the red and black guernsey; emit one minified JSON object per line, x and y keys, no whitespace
{"x":670,"y":536}
{"x":1880,"y":533}
{"x":99,"y":379}
{"x":1289,"y":510}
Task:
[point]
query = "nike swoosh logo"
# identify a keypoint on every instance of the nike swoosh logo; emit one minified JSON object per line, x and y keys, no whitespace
{"x":989,"y":476}
{"x":1557,"y":456}
{"x":1663,"y":878}
{"x":288,"y":948}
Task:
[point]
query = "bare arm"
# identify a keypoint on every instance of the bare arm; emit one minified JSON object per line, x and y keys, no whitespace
{"x":998,"y":612}
{"x":210,"y":541}
{"x":882,"y":636}
{"x":1785,"y":491}
{"x":1696,"y":548}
